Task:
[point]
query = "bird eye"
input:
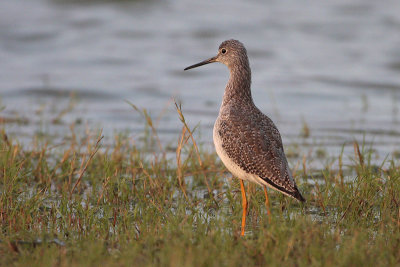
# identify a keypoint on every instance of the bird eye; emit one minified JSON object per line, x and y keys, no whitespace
{"x":223,"y":51}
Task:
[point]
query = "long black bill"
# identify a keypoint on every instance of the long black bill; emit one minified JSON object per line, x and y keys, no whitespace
{"x":208,"y":61}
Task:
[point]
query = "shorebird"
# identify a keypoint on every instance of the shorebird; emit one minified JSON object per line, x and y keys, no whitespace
{"x":246,"y":140}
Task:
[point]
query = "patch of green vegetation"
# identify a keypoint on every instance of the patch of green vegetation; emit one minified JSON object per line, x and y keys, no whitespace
{"x":132,"y":204}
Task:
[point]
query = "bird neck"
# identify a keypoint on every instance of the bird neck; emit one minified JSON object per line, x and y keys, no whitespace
{"x":238,"y":87}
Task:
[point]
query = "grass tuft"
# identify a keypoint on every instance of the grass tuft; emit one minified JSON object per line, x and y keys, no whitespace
{"x":88,"y":204}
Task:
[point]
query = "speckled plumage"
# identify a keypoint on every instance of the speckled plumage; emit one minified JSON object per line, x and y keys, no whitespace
{"x":246,"y":140}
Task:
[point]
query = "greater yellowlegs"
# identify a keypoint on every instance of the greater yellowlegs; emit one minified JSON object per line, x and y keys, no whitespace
{"x":246,"y":140}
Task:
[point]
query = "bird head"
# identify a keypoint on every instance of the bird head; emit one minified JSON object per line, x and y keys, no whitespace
{"x":230,"y":52}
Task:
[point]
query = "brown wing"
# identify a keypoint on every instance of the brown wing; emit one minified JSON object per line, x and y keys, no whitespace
{"x":254,"y":143}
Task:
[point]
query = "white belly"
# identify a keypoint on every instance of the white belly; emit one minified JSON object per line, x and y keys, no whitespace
{"x":230,"y":165}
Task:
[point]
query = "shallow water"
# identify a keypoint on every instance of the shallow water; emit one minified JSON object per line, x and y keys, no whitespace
{"x":332,"y":65}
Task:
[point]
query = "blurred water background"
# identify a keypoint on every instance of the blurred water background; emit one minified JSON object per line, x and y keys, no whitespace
{"x":327,"y":72}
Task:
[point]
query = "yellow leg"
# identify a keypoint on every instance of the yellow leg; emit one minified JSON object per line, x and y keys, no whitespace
{"x":267,"y":204}
{"x":244,"y":206}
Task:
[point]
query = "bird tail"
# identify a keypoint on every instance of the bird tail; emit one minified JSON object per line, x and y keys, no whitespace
{"x":296,"y":194}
